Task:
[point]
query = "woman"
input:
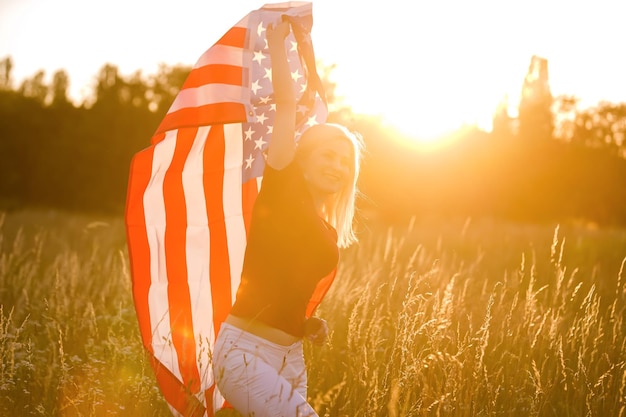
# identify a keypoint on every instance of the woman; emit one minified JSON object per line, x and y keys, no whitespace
{"x":301,"y":217}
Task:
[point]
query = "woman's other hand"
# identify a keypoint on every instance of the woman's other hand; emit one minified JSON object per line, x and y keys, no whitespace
{"x":316,"y":330}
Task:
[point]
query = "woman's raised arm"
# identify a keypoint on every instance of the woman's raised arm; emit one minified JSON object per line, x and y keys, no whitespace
{"x":282,"y":146}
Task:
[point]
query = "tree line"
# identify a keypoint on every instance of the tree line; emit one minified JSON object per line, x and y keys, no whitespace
{"x":552,"y":160}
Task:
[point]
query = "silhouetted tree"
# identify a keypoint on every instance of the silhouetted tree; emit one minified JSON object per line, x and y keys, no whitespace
{"x":165,"y":85}
{"x":135,"y":91}
{"x":6,"y":66}
{"x":565,"y":108}
{"x":108,"y":87}
{"x":78,"y":157}
{"x":35,"y":87}
{"x":60,"y":84}
{"x":602,"y":127}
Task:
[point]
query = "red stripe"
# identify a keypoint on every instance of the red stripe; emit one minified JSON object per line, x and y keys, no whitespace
{"x":208,"y":400}
{"x":176,"y":262}
{"x":236,"y":36}
{"x":214,"y":74}
{"x":158,"y":137}
{"x":175,"y":393}
{"x":249,"y":192}
{"x":320,"y":291}
{"x":137,"y":237}
{"x":219,"y":269}
{"x":209,"y":114}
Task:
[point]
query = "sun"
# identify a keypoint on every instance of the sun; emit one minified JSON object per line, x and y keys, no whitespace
{"x":428,"y":123}
{"x":424,"y":109}
{"x":426,"y":129}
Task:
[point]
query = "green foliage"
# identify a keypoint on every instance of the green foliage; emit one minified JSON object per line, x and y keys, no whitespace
{"x":454,"y":318}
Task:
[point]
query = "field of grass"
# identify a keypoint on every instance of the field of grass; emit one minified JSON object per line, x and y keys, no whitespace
{"x":432,"y":318}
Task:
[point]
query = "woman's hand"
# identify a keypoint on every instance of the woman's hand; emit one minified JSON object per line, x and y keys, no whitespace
{"x":316,"y":330}
{"x":276,"y":33}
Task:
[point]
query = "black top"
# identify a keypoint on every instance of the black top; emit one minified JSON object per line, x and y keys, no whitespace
{"x":289,"y":250}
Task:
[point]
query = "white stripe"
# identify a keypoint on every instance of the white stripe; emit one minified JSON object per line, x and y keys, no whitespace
{"x":175,"y":412}
{"x":207,"y":94}
{"x":154,"y":212}
{"x":232,"y":202}
{"x":198,"y":254}
{"x":221,"y":54}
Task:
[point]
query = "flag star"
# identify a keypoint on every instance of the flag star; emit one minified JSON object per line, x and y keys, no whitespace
{"x":270,"y":129}
{"x":255,"y":87}
{"x":249,"y":133}
{"x":261,"y":118}
{"x":260,"y":29}
{"x":273,"y":107}
{"x":258,"y":57}
{"x":303,"y":89}
{"x":294,"y":46}
{"x":264,"y":100}
{"x":302,"y":108}
{"x":296,"y":75}
{"x":268,"y":74}
{"x":258,"y":144}
{"x":311,"y":121}
{"x":249,"y":161}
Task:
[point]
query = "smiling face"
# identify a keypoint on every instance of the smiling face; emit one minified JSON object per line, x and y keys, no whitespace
{"x":328,"y":166}
{"x":329,"y":156}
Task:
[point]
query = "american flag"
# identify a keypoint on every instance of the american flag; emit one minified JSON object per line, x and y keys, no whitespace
{"x":191,"y":192}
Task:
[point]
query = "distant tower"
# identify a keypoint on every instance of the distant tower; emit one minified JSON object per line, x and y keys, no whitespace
{"x":536,"y":121}
{"x":503,"y":125}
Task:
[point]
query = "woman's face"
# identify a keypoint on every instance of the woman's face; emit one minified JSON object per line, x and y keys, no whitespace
{"x":327,"y":169}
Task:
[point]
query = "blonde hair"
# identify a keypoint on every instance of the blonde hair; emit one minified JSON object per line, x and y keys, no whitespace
{"x":339,"y":210}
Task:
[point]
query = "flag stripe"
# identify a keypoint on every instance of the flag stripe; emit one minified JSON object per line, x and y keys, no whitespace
{"x":221,"y":54}
{"x":235,"y":36}
{"x":204,"y":115}
{"x":320,"y":291}
{"x":215,"y":100}
{"x":206,"y":95}
{"x":232,"y":202}
{"x":137,"y":239}
{"x":219,"y":270}
{"x":197,"y":250}
{"x":162,"y":345}
{"x":214,"y":74}
{"x":175,"y":393}
{"x":176,"y":261}
{"x":249,"y":192}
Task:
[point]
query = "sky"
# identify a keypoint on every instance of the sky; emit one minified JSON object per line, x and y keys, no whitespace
{"x":425,"y":67}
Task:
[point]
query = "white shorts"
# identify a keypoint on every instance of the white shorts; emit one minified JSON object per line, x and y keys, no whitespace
{"x":260,"y":378}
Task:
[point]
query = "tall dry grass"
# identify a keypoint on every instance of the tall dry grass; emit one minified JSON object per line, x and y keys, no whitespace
{"x":435,"y":318}
{"x":69,"y":342}
{"x":477,"y":320}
